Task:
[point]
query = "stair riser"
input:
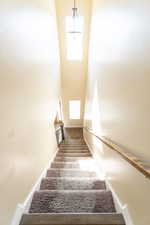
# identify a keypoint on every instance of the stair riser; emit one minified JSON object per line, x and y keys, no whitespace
{"x":73,"y":219}
{"x":73,"y":143}
{"x":73,"y":147}
{"x":66,"y":165}
{"x":72,"y":184}
{"x":74,"y":151}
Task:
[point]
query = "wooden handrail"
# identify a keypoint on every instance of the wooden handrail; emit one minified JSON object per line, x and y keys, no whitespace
{"x":133,"y":160}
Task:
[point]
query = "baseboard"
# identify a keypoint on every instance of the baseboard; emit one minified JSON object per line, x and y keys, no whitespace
{"x":120,"y":207}
{"x":24,"y":207}
{"x":127,"y":216}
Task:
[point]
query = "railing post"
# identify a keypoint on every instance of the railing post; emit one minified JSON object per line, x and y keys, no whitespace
{"x":59,"y":131}
{"x":62,"y":131}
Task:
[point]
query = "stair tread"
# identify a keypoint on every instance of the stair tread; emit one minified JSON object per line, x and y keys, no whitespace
{"x":73,"y":146}
{"x":66,"y":162}
{"x":71,"y":159}
{"x":72,"y":154}
{"x":91,"y":179}
{"x":62,"y":172}
{"x":94,"y":201}
{"x":74,"y":149}
{"x":72,"y":184}
{"x":73,"y":219}
{"x":77,"y":157}
{"x":73,"y":143}
{"x":68,"y":165}
{"x":67,"y":169}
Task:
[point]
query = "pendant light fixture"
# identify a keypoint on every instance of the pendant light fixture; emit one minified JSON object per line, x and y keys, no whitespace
{"x":75,"y":22}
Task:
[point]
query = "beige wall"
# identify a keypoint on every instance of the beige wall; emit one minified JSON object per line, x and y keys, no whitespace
{"x":29,"y":91}
{"x":73,"y":72}
{"x":118,"y":90}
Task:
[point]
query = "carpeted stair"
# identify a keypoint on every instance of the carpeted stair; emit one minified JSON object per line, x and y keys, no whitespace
{"x":74,"y":201}
{"x":69,"y":183}
{"x":69,"y":173}
{"x":71,"y":159}
{"x":71,"y":194}
{"x":73,"y":147}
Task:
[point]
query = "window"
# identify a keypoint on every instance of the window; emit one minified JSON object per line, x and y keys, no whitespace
{"x":74,"y":40}
{"x":74,"y":110}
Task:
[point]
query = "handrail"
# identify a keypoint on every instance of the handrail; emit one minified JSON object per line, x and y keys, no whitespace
{"x":133,"y":160}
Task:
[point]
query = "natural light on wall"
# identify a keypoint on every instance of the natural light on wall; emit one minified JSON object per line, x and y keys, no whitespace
{"x":74,"y":110}
{"x":74,"y":40}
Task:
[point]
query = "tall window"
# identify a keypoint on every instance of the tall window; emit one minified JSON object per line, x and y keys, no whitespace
{"x":74,"y":40}
{"x":74,"y":110}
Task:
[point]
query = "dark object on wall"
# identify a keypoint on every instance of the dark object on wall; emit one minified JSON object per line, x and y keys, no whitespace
{"x":59,"y":128}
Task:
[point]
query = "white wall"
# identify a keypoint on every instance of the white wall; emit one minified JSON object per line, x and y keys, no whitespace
{"x":118,"y":90}
{"x":73,"y":72}
{"x":29,"y":92}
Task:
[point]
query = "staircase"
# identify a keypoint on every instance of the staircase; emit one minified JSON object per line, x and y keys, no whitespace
{"x":72,"y":193}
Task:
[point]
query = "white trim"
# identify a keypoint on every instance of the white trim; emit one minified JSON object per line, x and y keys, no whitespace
{"x":91,"y":150}
{"x":18,"y":214}
{"x":120,"y":207}
{"x":73,"y":126}
{"x":127,"y":216}
{"x":24,"y":207}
